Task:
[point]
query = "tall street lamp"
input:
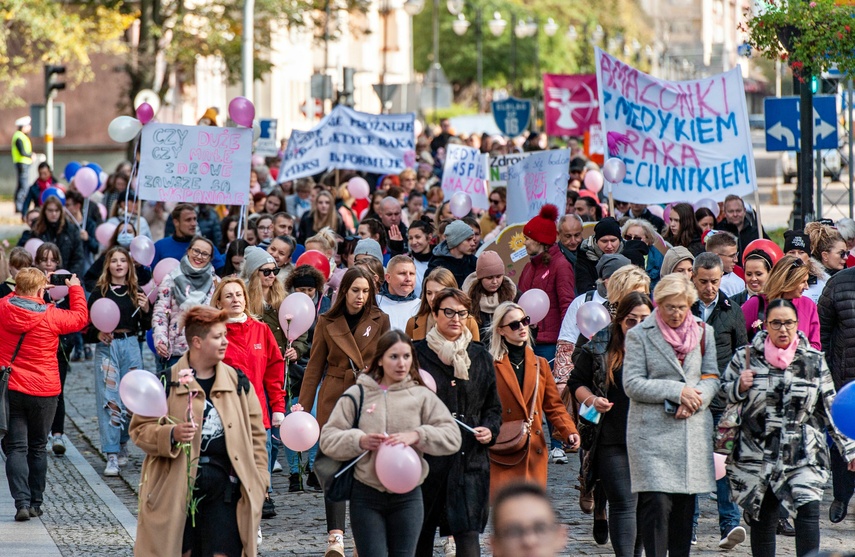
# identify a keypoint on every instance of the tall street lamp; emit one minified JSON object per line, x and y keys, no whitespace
{"x":496,"y":25}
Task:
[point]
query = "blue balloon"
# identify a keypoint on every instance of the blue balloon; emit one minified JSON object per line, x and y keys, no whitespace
{"x":149,"y":339}
{"x":98,"y":170}
{"x":843,"y":410}
{"x":70,"y":170}
{"x":55,"y":192}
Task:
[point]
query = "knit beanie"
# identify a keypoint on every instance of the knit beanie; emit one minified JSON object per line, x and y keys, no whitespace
{"x":543,"y":228}
{"x":369,"y":246}
{"x":607,"y":227}
{"x":672,"y":257}
{"x":609,"y":263}
{"x":796,"y":240}
{"x":253,"y":259}
{"x":490,"y":264}
{"x":457,"y":232}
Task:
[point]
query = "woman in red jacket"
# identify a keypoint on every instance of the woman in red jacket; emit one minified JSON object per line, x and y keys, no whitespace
{"x":253,"y":349}
{"x":29,"y":339}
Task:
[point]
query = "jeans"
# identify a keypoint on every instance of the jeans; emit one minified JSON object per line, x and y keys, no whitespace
{"x":293,"y":456}
{"x":613,"y":471}
{"x":26,"y":453}
{"x":62,"y":356}
{"x":665,"y":523}
{"x":763,"y":530}
{"x":112,"y":363}
{"x":23,"y":185}
{"x":729,"y":514}
{"x":842,"y":480}
{"x":386,"y":524}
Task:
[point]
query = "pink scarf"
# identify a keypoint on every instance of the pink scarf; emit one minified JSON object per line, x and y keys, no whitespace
{"x":781,"y":358}
{"x":684,"y":338}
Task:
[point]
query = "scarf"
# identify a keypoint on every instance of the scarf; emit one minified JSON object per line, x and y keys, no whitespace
{"x":490,"y":303}
{"x":384,"y":292}
{"x":684,"y":338}
{"x":781,"y":358}
{"x":495,"y":215}
{"x":240,"y":318}
{"x":452,"y":353}
{"x":191,"y":284}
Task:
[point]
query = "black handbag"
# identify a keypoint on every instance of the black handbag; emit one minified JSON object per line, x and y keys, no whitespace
{"x":5,"y":372}
{"x":335,"y":476}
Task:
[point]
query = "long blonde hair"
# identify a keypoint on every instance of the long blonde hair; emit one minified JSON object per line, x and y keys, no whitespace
{"x":256,"y":301}
{"x":785,"y":277}
{"x":332,"y":218}
{"x":498,"y":349}
{"x":105,"y":280}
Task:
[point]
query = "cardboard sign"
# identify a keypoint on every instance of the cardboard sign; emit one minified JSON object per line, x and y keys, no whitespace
{"x":500,"y":168}
{"x":510,"y":245}
{"x":466,"y":170}
{"x":539,"y":179}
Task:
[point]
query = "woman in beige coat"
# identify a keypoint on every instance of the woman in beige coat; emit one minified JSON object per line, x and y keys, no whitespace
{"x":227,"y":451}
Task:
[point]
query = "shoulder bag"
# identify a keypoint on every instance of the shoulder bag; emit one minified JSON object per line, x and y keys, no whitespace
{"x":514,"y":435}
{"x":727,"y":431}
{"x":335,"y":476}
{"x":5,"y":372}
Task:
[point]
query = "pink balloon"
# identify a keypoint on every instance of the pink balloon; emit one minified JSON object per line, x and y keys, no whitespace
{"x":163,"y":268}
{"x":398,"y":468}
{"x":142,"y":393}
{"x":593,"y":181}
{"x":59,"y":292}
{"x":148,"y":287}
{"x":535,"y":302}
{"x":32,"y":245}
{"x":102,"y":209}
{"x":666,"y":214}
{"x":257,"y":160}
{"x":428,"y":380}
{"x":105,"y":315}
{"x":358,"y":188}
{"x":592,"y":317}
{"x":145,"y":113}
{"x":460,"y":204}
{"x":656,"y":210}
{"x":104,"y":233}
{"x":720,"y":470}
{"x":614,"y":170}
{"x":296,"y":315}
{"x":242,"y":111}
{"x":142,"y":250}
{"x":86,"y":181}
{"x":299,"y":431}
{"x":152,"y":296}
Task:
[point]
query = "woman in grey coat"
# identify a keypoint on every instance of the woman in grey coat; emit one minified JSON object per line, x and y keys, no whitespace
{"x":781,"y":456}
{"x":671,"y":376}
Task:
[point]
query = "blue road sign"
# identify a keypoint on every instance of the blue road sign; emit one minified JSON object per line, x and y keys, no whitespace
{"x":512,"y":115}
{"x":266,"y":144}
{"x":783,"y":129}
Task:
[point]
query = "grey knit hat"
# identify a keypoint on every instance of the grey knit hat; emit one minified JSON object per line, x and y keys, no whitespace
{"x":253,"y":259}
{"x":368,"y":246}
{"x":609,"y":263}
{"x":457,"y":232}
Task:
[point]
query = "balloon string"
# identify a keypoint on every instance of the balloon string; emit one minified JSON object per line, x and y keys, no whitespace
{"x":131,"y":180}
{"x":349,"y":466}
{"x":85,"y":212}
{"x":466,"y":427}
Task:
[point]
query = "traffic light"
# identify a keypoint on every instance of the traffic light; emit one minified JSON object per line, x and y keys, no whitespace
{"x":819,"y":86}
{"x":345,"y":96}
{"x":51,"y":83}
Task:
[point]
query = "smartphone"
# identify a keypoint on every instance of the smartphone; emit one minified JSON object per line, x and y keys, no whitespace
{"x":58,"y":279}
{"x":670,"y":407}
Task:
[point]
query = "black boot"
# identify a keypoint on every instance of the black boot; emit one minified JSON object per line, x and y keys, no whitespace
{"x":312,"y":481}
{"x":295,"y":483}
{"x":268,"y":509}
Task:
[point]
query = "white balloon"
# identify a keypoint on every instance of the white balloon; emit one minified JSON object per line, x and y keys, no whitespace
{"x":256,"y":131}
{"x":614,"y":170}
{"x":124,"y":128}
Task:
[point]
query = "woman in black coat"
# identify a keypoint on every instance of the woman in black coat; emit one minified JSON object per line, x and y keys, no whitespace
{"x":53,"y":227}
{"x":457,"y":490}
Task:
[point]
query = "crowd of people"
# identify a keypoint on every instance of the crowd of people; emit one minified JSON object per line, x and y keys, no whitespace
{"x":420,"y":338}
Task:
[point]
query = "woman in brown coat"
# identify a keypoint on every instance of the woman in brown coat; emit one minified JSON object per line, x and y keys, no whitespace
{"x":227,"y":448}
{"x":344,"y":344}
{"x":518,"y":372}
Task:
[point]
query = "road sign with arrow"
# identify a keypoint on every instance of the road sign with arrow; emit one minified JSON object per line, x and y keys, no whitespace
{"x":782,"y":123}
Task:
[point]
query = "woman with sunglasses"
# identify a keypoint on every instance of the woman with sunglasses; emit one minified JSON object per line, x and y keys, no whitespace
{"x":781,"y":456}
{"x":597,"y":383}
{"x":190,"y":284}
{"x":788,"y":280}
{"x":642,"y":230}
{"x":457,"y":489}
{"x":527,"y":392}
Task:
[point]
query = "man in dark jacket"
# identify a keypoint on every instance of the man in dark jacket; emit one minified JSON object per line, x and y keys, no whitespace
{"x":836,"y":309}
{"x":640,"y":211}
{"x":456,"y":252}
{"x":738,"y":223}
{"x":606,"y":240}
{"x":396,"y":231}
{"x":716,"y":309}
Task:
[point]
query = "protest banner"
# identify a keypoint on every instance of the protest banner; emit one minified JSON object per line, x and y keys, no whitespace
{"x":685,"y":140}
{"x":351,"y":140}
{"x":570,"y":104}
{"x":539,"y":179}
{"x":195,"y":164}
{"x":500,"y":168}
{"x":465,"y":170}
{"x":266,"y":145}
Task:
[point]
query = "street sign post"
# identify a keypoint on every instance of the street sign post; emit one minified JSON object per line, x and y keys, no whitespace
{"x":512,"y":115}
{"x":783,"y":128}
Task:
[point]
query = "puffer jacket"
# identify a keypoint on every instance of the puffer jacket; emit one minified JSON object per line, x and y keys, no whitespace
{"x":403,"y":407}
{"x":557,"y":279}
{"x":836,"y":309}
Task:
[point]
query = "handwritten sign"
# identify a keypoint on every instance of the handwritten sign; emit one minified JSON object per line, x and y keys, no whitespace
{"x":684,"y":140}
{"x":500,"y":168}
{"x":347,"y":139}
{"x":539,"y":179}
{"x":466,"y":170}
{"x":195,"y":164}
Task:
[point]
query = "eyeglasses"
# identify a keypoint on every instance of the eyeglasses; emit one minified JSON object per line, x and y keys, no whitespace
{"x":264,"y":228}
{"x":450,"y":313}
{"x":515,"y":325}
{"x":788,"y":325}
{"x":495,"y":202}
{"x":674,"y":309}
{"x":200,"y":254}
{"x":516,"y":533}
{"x":630,"y":237}
{"x":268,"y":272}
{"x":734,"y":255}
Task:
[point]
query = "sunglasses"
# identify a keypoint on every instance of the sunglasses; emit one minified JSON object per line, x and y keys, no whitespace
{"x":495,"y":201}
{"x":515,"y":325}
{"x":630,"y":237}
{"x":268,"y":272}
{"x":630,"y":322}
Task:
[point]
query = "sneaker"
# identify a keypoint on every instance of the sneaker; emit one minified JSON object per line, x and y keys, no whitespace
{"x":259,"y":538}
{"x":277,"y":468}
{"x":268,"y":509}
{"x":22,"y":515}
{"x":36,"y":512}
{"x":733,"y":538}
{"x":448,"y":546}
{"x":112,"y":468}
{"x":123,"y":455}
{"x":57,"y":445}
{"x":295,"y":483}
{"x":76,"y":356}
{"x":558,"y":456}
{"x":87,"y":352}
{"x":312,"y":481}
{"x":694,"y":535}
{"x":335,"y":546}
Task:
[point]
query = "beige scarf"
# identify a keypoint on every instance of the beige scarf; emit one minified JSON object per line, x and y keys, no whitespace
{"x":452,"y":353}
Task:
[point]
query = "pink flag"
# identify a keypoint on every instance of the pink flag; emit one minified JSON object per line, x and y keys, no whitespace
{"x":571,"y":104}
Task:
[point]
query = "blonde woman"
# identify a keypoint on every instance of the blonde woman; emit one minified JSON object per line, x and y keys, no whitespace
{"x":436,"y":281}
{"x":323,"y":215}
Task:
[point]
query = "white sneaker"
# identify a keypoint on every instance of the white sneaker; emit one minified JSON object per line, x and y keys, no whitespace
{"x":123,"y":455}
{"x":276,"y":467}
{"x":335,"y":546}
{"x":449,"y":547}
{"x":733,"y":538}
{"x":112,"y":468}
{"x":259,"y":538}
{"x":57,"y":445}
{"x":558,"y":456}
